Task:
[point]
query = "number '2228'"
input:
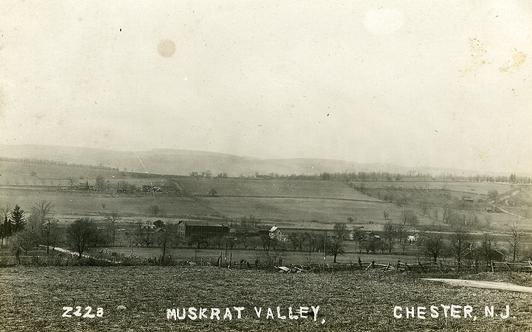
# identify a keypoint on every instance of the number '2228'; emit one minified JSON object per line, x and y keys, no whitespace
{"x":78,"y":311}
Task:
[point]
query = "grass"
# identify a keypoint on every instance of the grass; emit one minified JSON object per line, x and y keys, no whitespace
{"x":481,"y":188}
{"x":89,"y":204}
{"x":300,"y":211}
{"x":33,"y":298}
{"x":17,"y":172}
{"x":273,"y":187}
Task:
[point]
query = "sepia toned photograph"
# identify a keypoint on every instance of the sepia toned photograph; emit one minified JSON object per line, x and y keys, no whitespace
{"x":246,"y":165}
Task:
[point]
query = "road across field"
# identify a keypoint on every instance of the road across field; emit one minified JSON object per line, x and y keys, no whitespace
{"x":300,"y":197}
{"x":483,"y":284}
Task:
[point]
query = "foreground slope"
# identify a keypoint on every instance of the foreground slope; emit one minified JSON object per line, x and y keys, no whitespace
{"x":33,"y":298}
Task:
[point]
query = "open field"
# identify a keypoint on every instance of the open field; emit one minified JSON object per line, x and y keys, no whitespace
{"x":90,"y":204}
{"x":33,"y":298}
{"x":302,"y":210}
{"x":271,"y":188}
{"x":481,"y":188}
{"x":17,"y":172}
{"x":523,"y":196}
{"x":42,"y":173}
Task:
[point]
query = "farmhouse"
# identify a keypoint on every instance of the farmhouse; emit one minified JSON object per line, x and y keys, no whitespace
{"x":275,"y":233}
{"x":187,"y":229}
{"x":411,"y":239}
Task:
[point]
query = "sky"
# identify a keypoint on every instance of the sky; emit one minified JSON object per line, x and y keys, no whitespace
{"x":413,"y":83}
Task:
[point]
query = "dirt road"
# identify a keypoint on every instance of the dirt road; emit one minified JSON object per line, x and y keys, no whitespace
{"x":483,"y":284}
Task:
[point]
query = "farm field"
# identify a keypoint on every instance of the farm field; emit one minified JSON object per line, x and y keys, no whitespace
{"x":522,"y":197}
{"x":16,"y":172}
{"x":289,"y":211}
{"x":300,"y":210}
{"x":271,"y":188}
{"x":90,"y":204}
{"x":39,"y":174}
{"x":481,"y":188}
{"x":33,"y":298}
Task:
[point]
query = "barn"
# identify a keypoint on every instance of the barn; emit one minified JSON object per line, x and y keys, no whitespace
{"x":187,"y":229}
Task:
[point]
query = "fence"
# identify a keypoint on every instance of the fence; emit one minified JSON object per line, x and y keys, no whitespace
{"x":270,"y":263}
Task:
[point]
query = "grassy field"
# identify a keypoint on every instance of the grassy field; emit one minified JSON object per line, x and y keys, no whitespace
{"x":297,"y":212}
{"x":273,"y":187}
{"x":16,"y":172}
{"x":32,"y":300}
{"x":89,"y":204}
{"x":32,"y":173}
{"x":481,"y":188}
{"x":301,"y":211}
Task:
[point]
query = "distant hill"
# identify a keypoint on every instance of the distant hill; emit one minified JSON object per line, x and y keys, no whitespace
{"x":183,"y":162}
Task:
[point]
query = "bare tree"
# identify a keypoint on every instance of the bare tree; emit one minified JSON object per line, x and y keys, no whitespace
{"x":389,"y":235}
{"x":100,"y":183}
{"x":358,"y":237}
{"x":515,"y":241}
{"x":424,"y":206}
{"x":336,"y":247}
{"x":434,"y":245}
{"x":23,"y":240}
{"x":409,"y":217}
{"x":111,"y":226}
{"x":487,"y":248}
{"x":296,"y":240}
{"x":460,"y":242}
{"x":41,"y":217}
{"x":82,"y":233}
{"x":166,"y":236}
{"x":400,"y":235}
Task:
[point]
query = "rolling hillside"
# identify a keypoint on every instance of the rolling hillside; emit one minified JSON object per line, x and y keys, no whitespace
{"x":183,"y":162}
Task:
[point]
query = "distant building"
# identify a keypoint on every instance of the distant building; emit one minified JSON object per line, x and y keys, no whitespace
{"x":150,"y":188}
{"x":187,"y":229}
{"x":275,"y":233}
{"x":468,"y":199}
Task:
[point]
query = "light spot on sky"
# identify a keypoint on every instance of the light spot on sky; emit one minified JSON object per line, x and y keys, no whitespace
{"x":518,"y":59}
{"x":477,"y":56}
{"x":383,"y":20}
{"x":166,"y":48}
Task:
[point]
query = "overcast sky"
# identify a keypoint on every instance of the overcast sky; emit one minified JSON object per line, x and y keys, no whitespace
{"x":416,"y":83}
